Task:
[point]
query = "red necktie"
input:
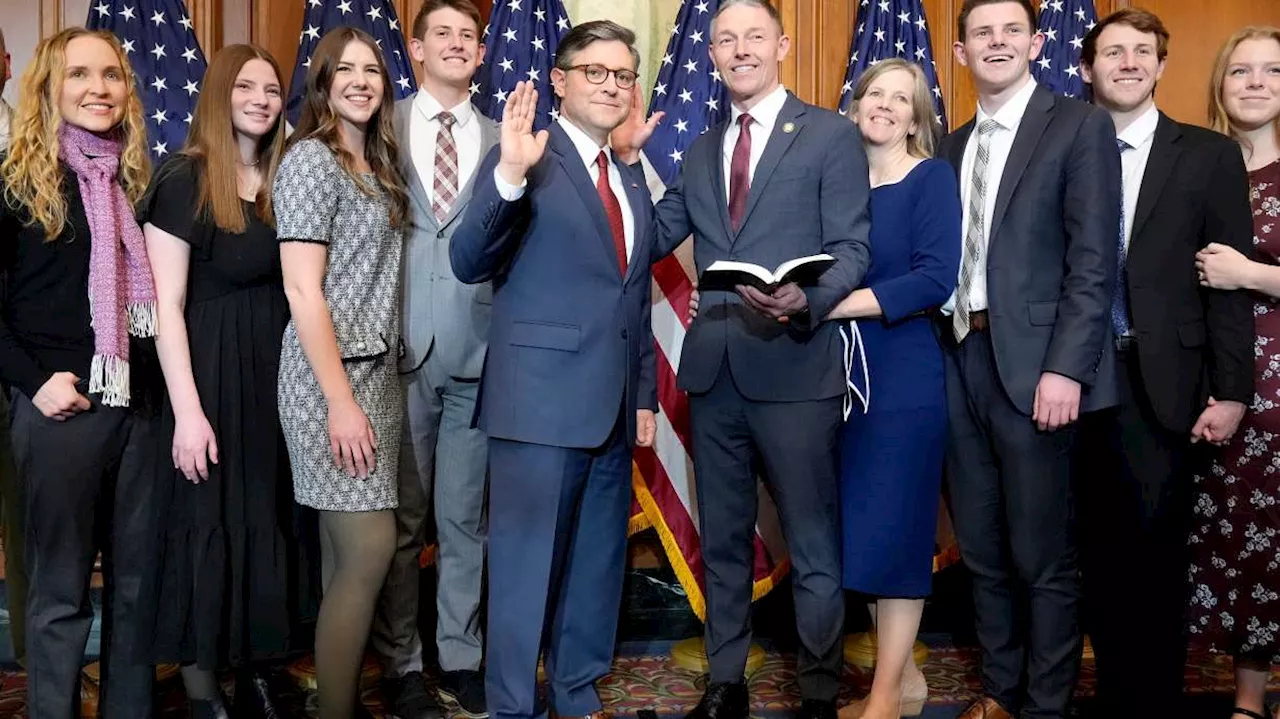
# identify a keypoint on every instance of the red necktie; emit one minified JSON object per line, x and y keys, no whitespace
{"x":740,"y":172}
{"x":613,"y":211}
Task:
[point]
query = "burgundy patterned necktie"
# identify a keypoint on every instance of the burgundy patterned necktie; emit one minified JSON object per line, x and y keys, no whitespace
{"x":613,"y":211}
{"x":445,"y":187}
{"x":740,"y":172}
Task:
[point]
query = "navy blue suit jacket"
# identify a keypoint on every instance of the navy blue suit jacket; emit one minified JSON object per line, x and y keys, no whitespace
{"x":809,"y":195}
{"x":571,"y":342}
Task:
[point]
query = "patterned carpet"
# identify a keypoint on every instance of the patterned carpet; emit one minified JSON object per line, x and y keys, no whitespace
{"x":642,"y":681}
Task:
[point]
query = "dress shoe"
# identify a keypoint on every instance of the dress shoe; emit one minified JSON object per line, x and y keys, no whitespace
{"x":985,"y":708}
{"x":407,"y":697}
{"x":817,"y":709}
{"x":466,"y":690}
{"x":911,"y":704}
{"x":722,"y":700}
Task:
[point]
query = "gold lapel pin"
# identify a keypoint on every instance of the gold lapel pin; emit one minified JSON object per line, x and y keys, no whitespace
{"x":789,"y":128}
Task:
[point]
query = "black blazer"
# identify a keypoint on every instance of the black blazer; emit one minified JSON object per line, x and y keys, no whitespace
{"x":809,"y":194}
{"x":1192,"y":342}
{"x":1051,"y":253}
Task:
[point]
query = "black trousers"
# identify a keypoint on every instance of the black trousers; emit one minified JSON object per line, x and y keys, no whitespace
{"x":1011,"y":497}
{"x":1135,"y":507}
{"x":795,"y":443}
{"x":88,"y":485}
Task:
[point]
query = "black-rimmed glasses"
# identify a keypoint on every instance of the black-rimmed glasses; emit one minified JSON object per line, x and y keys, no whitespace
{"x":597,"y":74}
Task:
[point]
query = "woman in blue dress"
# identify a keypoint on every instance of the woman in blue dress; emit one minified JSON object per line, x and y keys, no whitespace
{"x":893,"y":443}
{"x":894,"y":439}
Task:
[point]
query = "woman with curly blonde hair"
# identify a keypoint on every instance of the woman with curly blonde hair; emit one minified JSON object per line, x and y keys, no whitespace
{"x":76,"y":297}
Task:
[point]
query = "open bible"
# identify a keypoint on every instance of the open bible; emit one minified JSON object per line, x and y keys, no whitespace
{"x":725,"y":274}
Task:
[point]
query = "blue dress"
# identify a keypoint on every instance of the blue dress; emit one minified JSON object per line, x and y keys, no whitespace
{"x":891,"y":457}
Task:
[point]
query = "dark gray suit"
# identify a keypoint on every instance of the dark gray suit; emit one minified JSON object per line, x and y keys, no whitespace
{"x":767,"y":394}
{"x":446,"y":335}
{"x":1050,"y":268}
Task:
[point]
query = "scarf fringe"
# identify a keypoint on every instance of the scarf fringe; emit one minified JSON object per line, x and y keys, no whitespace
{"x":109,"y":377}
{"x":142,"y":319}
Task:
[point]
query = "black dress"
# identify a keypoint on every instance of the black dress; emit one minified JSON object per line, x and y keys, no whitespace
{"x":225,"y":569}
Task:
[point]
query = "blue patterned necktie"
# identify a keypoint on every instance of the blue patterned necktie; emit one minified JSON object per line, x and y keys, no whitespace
{"x":1120,"y":298}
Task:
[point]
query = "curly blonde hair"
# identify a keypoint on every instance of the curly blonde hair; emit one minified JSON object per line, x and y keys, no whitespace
{"x":31,"y":171}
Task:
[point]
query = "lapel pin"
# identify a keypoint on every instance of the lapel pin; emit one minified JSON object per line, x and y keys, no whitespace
{"x":789,"y":128}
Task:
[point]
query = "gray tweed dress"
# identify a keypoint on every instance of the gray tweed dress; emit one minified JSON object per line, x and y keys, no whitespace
{"x":315,"y":201}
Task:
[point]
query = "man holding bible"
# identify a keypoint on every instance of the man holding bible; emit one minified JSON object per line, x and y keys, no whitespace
{"x":779,"y":180}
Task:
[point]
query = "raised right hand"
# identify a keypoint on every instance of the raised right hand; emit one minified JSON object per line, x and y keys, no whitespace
{"x":194,"y":446}
{"x":58,"y":398}
{"x":521,"y":148}
{"x":351,"y":439}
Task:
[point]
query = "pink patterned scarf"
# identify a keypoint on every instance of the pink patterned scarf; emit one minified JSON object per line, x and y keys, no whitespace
{"x":122,"y":295}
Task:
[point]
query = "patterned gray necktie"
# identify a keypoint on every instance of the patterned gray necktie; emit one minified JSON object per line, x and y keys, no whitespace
{"x":975,"y":245}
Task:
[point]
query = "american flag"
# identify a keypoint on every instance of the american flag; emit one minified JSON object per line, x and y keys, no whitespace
{"x":376,"y":17}
{"x":689,"y":90}
{"x":1064,"y":23}
{"x":166,"y":60}
{"x":520,"y":44}
{"x":891,"y":28}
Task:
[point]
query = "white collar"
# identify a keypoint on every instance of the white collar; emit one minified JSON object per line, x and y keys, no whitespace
{"x":430,"y":107}
{"x":587,"y":148}
{"x":766,"y":111}
{"x":1010,"y":115}
{"x":1142,"y":129}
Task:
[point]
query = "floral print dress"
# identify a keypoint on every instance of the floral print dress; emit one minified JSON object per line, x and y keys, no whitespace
{"x":1235,"y":536}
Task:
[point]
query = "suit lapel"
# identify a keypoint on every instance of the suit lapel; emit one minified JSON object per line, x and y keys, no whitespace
{"x":488,"y":138}
{"x":955,"y":149}
{"x":1034,"y":122}
{"x":417,"y":190}
{"x":789,"y":124}
{"x":641,"y":206}
{"x":576,"y":171}
{"x":716,"y":165}
{"x":1164,"y":156}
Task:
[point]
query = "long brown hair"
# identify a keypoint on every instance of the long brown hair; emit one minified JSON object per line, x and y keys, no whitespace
{"x":32,"y":175}
{"x":211,"y":143}
{"x":1218,"y":118}
{"x":319,"y":120}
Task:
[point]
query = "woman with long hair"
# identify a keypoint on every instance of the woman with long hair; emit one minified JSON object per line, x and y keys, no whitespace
{"x":221,"y":576}
{"x":76,"y":296}
{"x":341,"y":208}
{"x":1235,"y":608}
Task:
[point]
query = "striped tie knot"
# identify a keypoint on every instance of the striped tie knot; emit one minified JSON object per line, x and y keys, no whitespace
{"x":446,"y":118}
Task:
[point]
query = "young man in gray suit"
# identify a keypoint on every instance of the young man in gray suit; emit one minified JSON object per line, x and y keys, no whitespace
{"x":778,"y":179}
{"x":1028,"y":350}
{"x":443,"y":459}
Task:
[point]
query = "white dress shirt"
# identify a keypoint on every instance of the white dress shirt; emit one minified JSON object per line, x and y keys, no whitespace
{"x":1008,"y":117}
{"x":6,"y":115}
{"x":588,"y":151}
{"x":764,"y":116}
{"x":423,"y":129}
{"x":1140,"y":134}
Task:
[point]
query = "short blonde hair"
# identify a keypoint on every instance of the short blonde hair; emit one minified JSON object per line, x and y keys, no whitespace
{"x":1218,"y":118}
{"x":924,"y":140}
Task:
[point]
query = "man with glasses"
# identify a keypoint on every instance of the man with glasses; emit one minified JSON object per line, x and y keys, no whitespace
{"x":563,"y":230}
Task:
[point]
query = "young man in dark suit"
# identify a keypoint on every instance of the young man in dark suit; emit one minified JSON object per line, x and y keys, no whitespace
{"x":1028,"y":350}
{"x":779,"y":179}
{"x":1184,"y":369}
{"x":564,"y":229}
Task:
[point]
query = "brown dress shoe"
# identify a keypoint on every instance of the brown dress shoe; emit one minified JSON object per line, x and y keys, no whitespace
{"x":985,"y":708}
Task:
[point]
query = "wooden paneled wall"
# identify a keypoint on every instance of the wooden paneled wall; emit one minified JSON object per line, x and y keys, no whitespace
{"x":821,"y":31}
